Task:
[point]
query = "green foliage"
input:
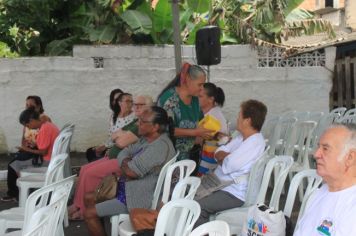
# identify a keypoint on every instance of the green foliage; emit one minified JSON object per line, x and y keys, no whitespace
{"x":199,"y":6}
{"x":6,"y":52}
{"x":52,"y":27}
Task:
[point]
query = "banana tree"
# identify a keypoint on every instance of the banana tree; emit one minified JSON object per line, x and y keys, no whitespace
{"x":269,"y":20}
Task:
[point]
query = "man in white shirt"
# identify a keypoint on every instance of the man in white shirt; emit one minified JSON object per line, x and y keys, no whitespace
{"x":332,"y":210}
{"x":235,"y":159}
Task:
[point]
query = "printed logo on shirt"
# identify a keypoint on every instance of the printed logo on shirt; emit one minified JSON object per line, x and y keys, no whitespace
{"x":325,"y":227}
{"x":255,"y":228}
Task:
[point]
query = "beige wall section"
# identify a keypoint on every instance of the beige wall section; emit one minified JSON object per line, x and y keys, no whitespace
{"x":74,"y":91}
{"x":350,"y":13}
{"x":313,"y":5}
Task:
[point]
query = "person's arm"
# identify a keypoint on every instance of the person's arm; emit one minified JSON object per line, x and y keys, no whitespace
{"x":220,"y":156}
{"x":197,"y":132}
{"x":245,"y":153}
{"x":126,"y":171}
{"x":23,"y":141}
{"x":124,"y":138}
{"x":153,"y":156}
{"x":41,"y":152}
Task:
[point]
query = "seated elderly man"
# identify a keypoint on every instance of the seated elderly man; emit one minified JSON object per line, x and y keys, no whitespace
{"x":235,"y":160}
{"x":332,"y":209}
{"x":140,"y":165}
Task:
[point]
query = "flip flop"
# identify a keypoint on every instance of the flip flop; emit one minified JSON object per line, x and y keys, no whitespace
{"x":76,"y":216}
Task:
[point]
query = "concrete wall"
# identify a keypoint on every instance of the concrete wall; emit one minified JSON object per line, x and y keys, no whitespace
{"x":74,"y":91}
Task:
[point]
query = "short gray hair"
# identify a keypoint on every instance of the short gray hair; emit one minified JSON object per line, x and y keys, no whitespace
{"x":350,"y":142}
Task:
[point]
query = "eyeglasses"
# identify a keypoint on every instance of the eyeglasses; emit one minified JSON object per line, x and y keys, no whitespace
{"x":139,"y":104}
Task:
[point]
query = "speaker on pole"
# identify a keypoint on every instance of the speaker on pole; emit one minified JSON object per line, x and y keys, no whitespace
{"x":207,"y":45}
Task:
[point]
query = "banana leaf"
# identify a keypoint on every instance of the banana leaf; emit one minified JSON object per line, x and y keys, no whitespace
{"x":138,"y":21}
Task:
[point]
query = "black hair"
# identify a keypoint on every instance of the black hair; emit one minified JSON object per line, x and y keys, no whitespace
{"x":116,"y":107}
{"x":213,"y":91}
{"x":193,"y":71}
{"x":38,"y":102}
{"x":112,"y":95}
{"x":165,"y":122}
{"x":27,"y":115}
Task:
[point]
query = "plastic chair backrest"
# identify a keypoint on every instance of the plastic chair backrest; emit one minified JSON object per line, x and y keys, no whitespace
{"x":212,"y":228}
{"x":339,"y":110}
{"x":325,"y":121}
{"x":46,"y":220}
{"x":61,"y":144}
{"x":281,"y":165}
{"x":177,"y":218}
{"x":287,"y":130}
{"x":54,"y":172}
{"x":255,"y":179}
{"x":350,"y":112}
{"x":269,"y":127}
{"x":316,"y":116}
{"x":68,"y":127}
{"x":184,"y":167}
{"x":186,"y":188}
{"x":161,"y":177}
{"x":272,"y":132}
{"x":348,"y":119}
{"x":303,"y":144}
{"x":44,"y":196}
{"x":313,"y":179}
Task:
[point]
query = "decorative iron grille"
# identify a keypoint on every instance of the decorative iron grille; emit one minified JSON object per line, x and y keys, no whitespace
{"x":273,"y":57}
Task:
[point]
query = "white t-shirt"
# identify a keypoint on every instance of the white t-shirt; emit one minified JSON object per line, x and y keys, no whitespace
{"x":243,"y":154}
{"x":329,"y":214}
{"x":217,"y":113}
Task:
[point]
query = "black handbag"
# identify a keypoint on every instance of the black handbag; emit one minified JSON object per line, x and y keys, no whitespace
{"x":195,"y":155}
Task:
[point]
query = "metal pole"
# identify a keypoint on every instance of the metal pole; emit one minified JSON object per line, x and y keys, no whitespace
{"x":176,"y":35}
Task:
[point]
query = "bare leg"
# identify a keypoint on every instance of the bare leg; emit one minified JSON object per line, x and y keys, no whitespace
{"x":91,"y":217}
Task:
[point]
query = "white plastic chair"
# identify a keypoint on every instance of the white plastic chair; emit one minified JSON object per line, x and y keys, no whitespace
{"x":60,"y":146}
{"x":302,"y":149}
{"x":177,"y":218}
{"x":237,"y":216}
{"x":325,"y":121}
{"x":185,"y":188}
{"x":287,"y":129}
{"x":14,"y":218}
{"x":45,"y":220}
{"x":53,"y":174}
{"x":271,"y":132}
{"x":313,"y":181}
{"x":185,"y":168}
{"x":348,"y":119}
{"x":350,"y":112}
{"x":339,"y":110}
{"x":117,"y":219}
{"x":212,"y":228}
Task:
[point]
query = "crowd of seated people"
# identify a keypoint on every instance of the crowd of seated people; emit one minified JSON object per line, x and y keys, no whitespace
{"x":143,"y":137}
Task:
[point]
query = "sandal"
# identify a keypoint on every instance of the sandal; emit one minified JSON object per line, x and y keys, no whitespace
{"x":72,"y":209}
{"x":76,"y":216}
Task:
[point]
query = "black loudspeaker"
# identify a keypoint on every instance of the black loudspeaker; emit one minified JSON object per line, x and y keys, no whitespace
{"x":207,"y":45}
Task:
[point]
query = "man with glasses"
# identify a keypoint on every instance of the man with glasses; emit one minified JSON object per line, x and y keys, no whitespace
{"x":140,"y":165}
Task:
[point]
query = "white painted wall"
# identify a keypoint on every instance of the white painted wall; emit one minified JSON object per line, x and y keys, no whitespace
{"x":74,"y":91}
